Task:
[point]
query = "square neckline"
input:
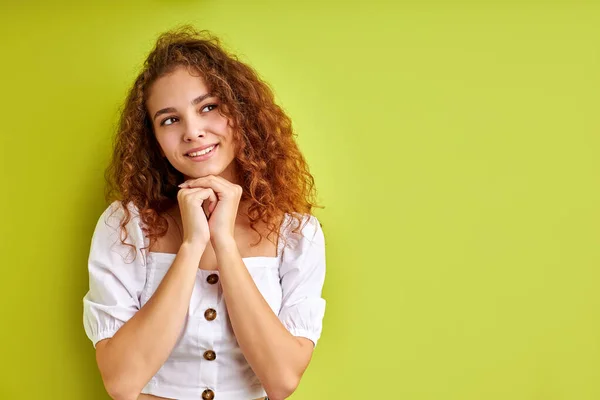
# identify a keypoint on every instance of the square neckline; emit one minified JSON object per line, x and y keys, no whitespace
{"x":171,"y":256}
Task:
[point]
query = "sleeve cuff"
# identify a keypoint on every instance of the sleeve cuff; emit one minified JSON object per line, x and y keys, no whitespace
{"x":105,"y":334}
{"x":305,"y":319}
{"x":305,"y":333}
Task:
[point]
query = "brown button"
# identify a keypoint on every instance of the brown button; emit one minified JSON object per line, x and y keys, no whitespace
{"x":208,"y":395}
{"x":210,"y":355}
{"x":212,"y":279}
{"x":210,"y":314}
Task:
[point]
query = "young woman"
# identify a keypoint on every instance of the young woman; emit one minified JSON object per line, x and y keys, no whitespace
{"x":207,"y":183}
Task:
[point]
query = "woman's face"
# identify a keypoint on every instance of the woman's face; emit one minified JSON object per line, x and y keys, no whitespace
{"x":185,"y":117}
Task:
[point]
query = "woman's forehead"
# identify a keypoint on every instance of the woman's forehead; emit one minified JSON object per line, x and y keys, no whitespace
{"x":177,"y":89}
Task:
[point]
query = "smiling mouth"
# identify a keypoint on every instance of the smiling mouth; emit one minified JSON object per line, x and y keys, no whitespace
{"x":202,"y":152}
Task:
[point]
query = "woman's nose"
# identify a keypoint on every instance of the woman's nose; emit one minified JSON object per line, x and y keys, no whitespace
{"x":192,"y":134}
{"x":194,"y":128}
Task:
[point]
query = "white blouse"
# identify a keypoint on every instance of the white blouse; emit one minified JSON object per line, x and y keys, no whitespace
{"x":207,"y":357}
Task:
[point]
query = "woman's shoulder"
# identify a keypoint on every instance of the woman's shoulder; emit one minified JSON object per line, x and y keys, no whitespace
{"x":117,"y":207}
{"x":115,"y":212}
{"x":110,"y":235}
{"x":111,"y":221}
{"x":302,"y":224}
{"x":304,"y":244}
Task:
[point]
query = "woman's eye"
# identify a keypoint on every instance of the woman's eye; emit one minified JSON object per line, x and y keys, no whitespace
{"x":165,"y":120}
{"x":209,"y":105}
{"x":203,"y":108}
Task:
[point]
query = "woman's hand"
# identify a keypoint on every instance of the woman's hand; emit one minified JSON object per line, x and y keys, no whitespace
{"x":195,"y":206}
{"x":221,"y":222}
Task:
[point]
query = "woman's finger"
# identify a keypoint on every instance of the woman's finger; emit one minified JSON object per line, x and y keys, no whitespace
{"x":207,"y":195}
{"x":211,"y":203}
{"x":200,"y":192}
{"x":206,"y":181}
{"x":220,"y":185}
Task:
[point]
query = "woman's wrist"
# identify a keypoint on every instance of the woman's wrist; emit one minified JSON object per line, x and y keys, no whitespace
{"x":223,"y":244}
{"x":193,"y":249}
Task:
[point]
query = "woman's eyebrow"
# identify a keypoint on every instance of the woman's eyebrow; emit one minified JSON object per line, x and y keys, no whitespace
{"x":171,"y":109}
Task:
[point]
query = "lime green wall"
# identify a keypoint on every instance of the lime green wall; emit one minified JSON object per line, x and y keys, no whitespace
{"x":455,"y":145}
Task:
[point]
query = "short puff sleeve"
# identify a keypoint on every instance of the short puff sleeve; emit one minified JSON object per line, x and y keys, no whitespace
{"x":302,"y":275}
{"x":115,"y":281}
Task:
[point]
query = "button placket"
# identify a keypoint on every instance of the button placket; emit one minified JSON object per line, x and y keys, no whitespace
{"x":209,"y":327}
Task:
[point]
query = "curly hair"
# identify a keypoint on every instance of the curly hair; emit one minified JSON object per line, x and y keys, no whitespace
{"x":274,"y":174}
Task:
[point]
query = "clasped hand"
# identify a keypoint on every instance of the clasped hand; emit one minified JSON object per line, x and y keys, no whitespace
{"x":220,"y":201}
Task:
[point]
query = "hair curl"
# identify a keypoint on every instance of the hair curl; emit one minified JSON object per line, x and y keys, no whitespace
{"x":274,"y":174}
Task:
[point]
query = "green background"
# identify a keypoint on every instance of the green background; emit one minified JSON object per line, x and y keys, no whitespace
{"x":455,"y":147}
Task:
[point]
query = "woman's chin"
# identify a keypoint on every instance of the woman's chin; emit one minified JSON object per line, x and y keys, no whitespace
{"x":201,"y":174}
{"x":206,"y":170}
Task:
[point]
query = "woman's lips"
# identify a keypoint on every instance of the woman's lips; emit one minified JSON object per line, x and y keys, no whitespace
{"x":204,"y":156}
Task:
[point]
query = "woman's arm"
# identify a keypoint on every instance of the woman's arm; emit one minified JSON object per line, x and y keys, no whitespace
{"x":129,"y":359}
{"x":276,"y":356}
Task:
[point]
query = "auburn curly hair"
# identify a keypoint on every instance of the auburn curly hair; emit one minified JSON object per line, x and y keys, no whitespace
{"x":274,"y":174}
